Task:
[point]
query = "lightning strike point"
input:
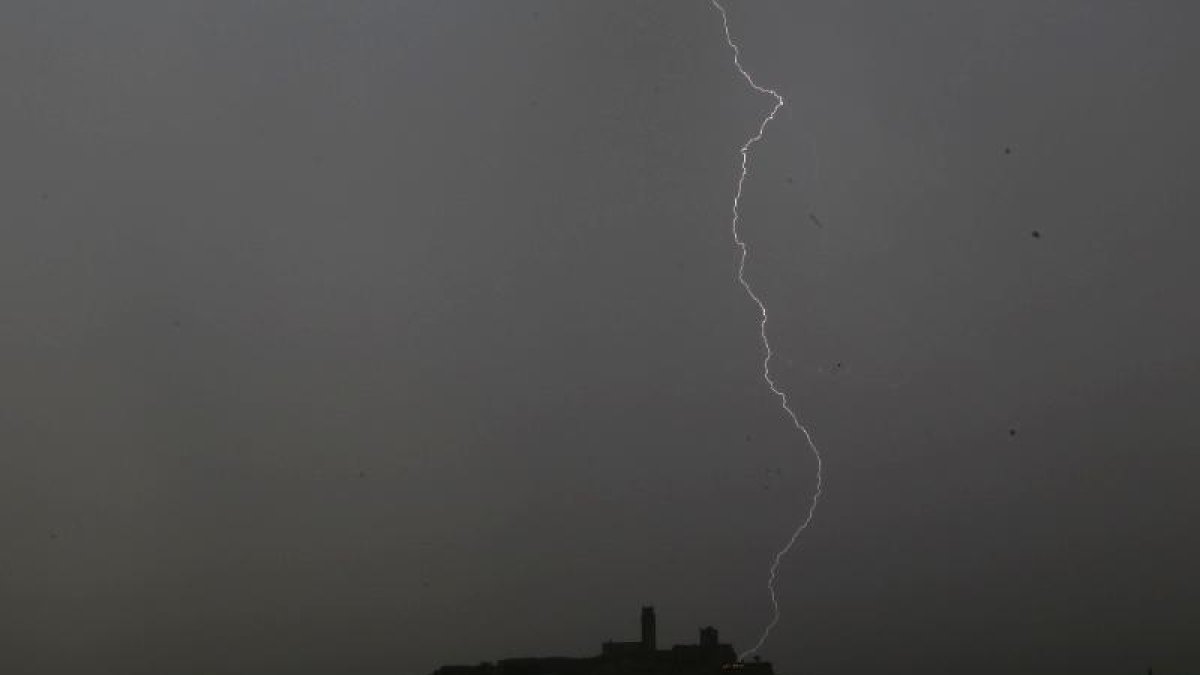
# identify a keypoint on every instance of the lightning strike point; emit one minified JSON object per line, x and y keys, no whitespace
{"x":762,"y":309}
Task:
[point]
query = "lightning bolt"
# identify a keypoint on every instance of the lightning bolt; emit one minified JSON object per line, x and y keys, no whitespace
{"x":762,"y":325}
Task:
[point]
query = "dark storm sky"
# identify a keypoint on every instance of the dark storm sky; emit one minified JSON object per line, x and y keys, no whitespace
{"x":362,"y":337}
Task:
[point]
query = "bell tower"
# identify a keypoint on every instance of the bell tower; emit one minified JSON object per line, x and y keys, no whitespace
{"x":648,"y":629}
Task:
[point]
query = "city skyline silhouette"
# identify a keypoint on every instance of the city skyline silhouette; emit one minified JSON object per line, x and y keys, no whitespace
{"x":708,"y":656}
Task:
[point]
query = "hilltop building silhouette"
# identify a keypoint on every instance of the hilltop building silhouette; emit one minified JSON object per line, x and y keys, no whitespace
{"x":709,"y":657}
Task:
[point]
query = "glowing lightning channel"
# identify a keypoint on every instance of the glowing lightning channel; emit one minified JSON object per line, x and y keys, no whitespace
{"x":762,"y":308}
